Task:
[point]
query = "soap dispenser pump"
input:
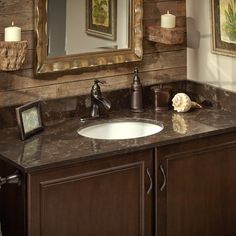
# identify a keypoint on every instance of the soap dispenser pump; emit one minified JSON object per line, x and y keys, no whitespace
{"x":136,"y":93}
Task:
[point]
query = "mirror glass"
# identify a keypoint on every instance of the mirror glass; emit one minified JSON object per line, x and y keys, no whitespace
{"x":73,"y":28}
{"x":74,"y":34}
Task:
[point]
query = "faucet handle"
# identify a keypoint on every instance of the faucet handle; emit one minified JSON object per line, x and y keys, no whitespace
{"x":96,"y":81}
{"x":96,"y":90}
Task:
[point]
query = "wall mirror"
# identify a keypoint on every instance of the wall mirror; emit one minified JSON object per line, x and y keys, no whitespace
{"x":73,"y":34}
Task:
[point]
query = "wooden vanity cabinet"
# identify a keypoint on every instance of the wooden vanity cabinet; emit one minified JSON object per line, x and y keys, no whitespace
{"x":110,"y":196}
{"x":184,"y":189}
{"x":196,"y":188}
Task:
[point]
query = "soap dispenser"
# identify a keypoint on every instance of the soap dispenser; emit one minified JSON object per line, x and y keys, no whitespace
{"x":136,"y":93}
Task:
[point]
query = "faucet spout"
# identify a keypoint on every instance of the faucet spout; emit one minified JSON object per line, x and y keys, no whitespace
{"x":105,"y":102}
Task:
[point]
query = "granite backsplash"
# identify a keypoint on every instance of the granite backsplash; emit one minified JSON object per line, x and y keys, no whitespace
{"x":54,"y":111}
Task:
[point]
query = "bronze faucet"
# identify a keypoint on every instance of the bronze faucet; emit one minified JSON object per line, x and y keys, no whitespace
{"x":97,"y":100}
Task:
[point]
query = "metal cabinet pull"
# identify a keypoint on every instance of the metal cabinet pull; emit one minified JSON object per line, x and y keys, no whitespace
{"x":11,"y":179}
{"x":150,"y":178}
{"x":164,"y":178}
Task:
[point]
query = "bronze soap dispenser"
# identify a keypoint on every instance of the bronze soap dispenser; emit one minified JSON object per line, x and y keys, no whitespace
{"x":136,"y":93}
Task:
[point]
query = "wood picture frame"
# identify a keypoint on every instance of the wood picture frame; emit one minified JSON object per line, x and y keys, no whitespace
{"x":29,"y":119}
{"x":223,"y":14}
{"x":67,"y":64}
{"x":101,"y":18}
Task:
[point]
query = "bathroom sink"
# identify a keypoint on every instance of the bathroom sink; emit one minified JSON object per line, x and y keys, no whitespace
{"x":117,"y":130}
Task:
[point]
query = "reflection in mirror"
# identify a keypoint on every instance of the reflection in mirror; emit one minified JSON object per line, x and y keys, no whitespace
{"x":73,"y":29}
{"x":74,"y":34}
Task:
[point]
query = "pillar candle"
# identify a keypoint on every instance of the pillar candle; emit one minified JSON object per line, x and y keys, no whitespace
{"x":12,"y":33}
{"x":168,"y":20}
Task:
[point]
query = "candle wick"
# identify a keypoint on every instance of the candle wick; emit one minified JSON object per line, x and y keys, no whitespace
{"x":12,"y":23}
{"x":168,"y":12}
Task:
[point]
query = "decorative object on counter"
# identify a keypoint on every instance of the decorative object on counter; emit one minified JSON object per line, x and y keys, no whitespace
{"x":170,"y":36}
{"x":12,"y":55}
{"x":12,"y":33}
{"x":180,"y":125}
{"x":168,"y":20}
{"x":97,"y":100}
{"x":162,"y":98}
{"x":136,"y":93}
{"x":182,"y":103}
{"x":29,"y":119}
{"x":223,"y":14}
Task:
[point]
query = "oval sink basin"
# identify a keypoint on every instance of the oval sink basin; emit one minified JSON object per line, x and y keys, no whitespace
{"x":113,"y":130}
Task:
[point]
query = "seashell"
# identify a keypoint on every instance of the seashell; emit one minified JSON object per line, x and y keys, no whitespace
{"x":182,"y":103}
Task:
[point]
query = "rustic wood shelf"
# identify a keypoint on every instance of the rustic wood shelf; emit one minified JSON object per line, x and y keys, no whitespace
{"x":12,"y":55}
{"x":171,"y":36}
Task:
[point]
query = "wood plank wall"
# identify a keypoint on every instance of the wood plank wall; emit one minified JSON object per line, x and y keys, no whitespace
{"x":160,"y":64}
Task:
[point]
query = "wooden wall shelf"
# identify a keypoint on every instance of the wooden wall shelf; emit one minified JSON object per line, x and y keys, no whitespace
{"x":172,"y":36}
{"x":12,"y":55}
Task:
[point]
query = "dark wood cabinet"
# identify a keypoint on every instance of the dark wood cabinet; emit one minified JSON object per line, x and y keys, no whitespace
{"x":196,"y":188}
{"x":111,"y":196}
{"x":184,"y":189}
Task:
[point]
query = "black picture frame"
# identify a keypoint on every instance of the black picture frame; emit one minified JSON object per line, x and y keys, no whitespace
{"x":29,"y":119}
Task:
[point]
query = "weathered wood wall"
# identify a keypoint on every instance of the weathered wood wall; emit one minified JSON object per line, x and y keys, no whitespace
{"x":160,"y":64}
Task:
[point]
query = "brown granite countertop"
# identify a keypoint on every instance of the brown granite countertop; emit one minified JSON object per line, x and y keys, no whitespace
{"x":60,"y":144}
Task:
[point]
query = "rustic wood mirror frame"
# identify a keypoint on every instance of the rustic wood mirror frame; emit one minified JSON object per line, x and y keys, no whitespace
{"x":46,"y":64}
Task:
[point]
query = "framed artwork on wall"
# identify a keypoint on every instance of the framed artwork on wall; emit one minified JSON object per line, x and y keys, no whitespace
{"x":29,"y":119}
{"x":101,"y":18}
{"x":223,"y":13}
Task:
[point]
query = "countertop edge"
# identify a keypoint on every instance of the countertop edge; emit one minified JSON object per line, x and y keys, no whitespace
{"x":96,"y":156}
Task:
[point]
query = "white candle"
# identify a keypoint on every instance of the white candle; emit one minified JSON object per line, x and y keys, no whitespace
{"x":12,"y":33}
{"x":168,"y":20}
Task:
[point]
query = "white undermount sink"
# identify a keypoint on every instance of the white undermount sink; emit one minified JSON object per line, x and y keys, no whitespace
{"x":117,"y":130}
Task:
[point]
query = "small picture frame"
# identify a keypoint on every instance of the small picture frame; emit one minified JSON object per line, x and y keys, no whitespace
{"x":29,"y":119}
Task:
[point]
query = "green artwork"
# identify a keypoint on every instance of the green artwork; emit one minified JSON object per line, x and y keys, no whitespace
{"x":228,"y":20}
{"x":30,"y":119}
{"x":224,"y":27}
{"x":100,"y":12}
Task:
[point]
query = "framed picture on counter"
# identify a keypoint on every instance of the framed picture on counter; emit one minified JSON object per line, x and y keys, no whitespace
{"x":223,"y":14}
{"x":29,"y":119}
{"x":101,"y":18}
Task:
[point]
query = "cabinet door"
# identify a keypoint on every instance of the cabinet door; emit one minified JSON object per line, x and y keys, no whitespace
{"x":199,"y":198}
{"x":110,"y":196}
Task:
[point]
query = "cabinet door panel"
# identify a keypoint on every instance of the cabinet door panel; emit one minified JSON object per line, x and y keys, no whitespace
{"x":201,"y":192}
{"x":103,"y":201}
{"x":91,"y":202}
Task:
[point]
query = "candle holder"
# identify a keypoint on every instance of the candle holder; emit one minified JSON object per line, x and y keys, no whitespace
{"x":12,"y":55}
{"x":169,"y":36}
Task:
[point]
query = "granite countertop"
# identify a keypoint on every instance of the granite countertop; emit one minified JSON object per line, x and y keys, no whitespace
{"x":60,"y":144}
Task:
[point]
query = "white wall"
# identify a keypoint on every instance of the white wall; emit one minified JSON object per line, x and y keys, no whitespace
{"x":204,"y":66}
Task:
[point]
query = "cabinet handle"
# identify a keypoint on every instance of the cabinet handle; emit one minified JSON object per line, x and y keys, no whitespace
{"x":164,"y":178}
{"x":11,"y":179}
{"x":150,"y":178}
